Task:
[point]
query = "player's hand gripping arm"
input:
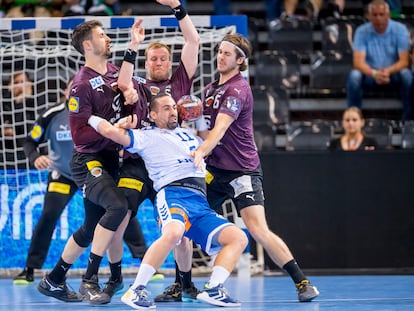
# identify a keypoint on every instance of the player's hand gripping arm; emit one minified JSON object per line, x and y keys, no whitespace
{"x":115,"y":133}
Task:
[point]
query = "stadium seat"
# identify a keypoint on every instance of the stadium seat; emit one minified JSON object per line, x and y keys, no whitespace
{"x":291,"y":35}
{"x":270,"y":113}
{"x":407,"y":135}
{"x":381,"y":130}
{"x":309,"y":135}
{"x":274,"y":69}
{"x":337,"y":34}
{"x":329,"y":72}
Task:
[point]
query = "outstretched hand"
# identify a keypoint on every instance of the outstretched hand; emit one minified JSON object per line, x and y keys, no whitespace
{"x":137,"y":34}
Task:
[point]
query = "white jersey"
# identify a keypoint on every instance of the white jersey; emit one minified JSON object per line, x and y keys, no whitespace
{"x":166,"y":153}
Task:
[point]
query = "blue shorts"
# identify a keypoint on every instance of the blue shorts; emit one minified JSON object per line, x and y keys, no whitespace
{"x":190,"y":207}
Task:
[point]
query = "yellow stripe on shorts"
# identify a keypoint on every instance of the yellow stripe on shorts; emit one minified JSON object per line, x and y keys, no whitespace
{"x":59,"y":187}
{"x":92,"y":164}
{"x":130,"y":183}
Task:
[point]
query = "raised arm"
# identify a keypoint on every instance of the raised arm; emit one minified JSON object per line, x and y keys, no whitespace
{"x":127,"y":68}
{"x":189,"y":54}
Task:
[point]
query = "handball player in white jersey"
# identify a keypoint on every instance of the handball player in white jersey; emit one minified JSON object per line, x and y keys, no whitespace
{"x":181,"y":205}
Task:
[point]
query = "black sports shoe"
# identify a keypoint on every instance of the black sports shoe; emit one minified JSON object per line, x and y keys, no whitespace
{"x":91,"y":291}
{"x":171,"y":294}
{"x":112,"y":287}
{"x":189,"y":294}
{"x":23,"y":278}
{"x":58,"y":291}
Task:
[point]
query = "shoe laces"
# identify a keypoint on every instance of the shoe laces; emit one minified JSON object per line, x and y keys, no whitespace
{"x":302,"y":285}
{"x":173,"y":288}
{"x":141,"y":293}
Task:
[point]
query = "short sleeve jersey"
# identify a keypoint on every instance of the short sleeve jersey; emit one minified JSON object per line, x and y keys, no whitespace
{"x":237,"y":150}
{"x":94,"y":94}
{"x":166,"y":153}
{"x":381,"y":50}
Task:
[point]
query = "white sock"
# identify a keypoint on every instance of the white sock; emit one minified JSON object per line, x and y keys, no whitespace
{"x":218,"y":276}
{"x":145,"y":272}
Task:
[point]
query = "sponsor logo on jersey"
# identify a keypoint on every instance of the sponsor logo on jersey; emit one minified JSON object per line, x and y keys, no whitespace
{"x":96,"y":82}
{"x":231,"y":104}
{"x":63,"y":135}
{"x":36,"y":132}
{"x":73,"y":104}
{"x":140,"y":79}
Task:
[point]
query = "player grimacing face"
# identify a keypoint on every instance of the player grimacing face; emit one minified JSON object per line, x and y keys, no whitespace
{"x":227,"y":60}
{"x":101,"y":43}
{"x":158,"y":64}
{"x":165,"y":114}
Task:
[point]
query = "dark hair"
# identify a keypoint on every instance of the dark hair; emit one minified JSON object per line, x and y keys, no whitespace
{"x":154,"y":101}
{"x":83,"y":32}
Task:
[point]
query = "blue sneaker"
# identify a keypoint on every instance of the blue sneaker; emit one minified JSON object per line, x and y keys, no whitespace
{"x":217,"y":296}
{"x":138,"y":298}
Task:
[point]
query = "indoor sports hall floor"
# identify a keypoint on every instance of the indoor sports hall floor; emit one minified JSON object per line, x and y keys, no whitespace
{"x":257,"y":293}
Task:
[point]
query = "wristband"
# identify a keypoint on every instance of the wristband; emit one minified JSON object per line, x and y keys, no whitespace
{"x":374,"y":74}
{"x":179,"y":12}
{"x":94,"y":122}
{"x":130,"y":56}
{"x":201,"y":124}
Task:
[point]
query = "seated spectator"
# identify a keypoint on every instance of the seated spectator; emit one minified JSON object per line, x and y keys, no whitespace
{"x":91,"y":7}
{"x":353,"y":138}
{"x":380,"y":58}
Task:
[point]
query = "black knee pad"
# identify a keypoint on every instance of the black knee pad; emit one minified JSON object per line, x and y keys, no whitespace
{"x":115,"y":210}
{"x":83,"y":237}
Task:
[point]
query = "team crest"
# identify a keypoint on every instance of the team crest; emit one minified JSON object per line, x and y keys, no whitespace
{"x":209,"y":101}
{"x":154,"y":90}
{"x":73,"y":104}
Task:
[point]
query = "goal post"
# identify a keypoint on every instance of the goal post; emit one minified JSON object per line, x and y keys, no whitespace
{"x":41,"y":47}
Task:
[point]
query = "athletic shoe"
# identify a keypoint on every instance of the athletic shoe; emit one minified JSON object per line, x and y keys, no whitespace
{"x":217,"y":296}
{"x":157,"y":277}
{"x":138,"y":298}
{"x":171,"y":294}
{"x":23,"y":278}
{"x":91,"y":291}
{"x":190,"y":294}
{"x":112,"y":287}
{"x":306,"y":291}
{"x":58,"y":291}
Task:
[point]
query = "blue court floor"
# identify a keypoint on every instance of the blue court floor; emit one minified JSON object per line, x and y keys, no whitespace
{"x":258,"y":293}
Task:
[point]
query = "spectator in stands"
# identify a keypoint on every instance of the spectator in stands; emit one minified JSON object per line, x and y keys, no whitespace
{"x":93,"y":7}
{"x":380,"y":58}
{"x":19,"y":114}
{"x":353,"y":138}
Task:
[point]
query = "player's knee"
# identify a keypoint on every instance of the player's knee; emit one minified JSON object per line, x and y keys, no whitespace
{"x":83,"y":236}
{"x":113,"y":216}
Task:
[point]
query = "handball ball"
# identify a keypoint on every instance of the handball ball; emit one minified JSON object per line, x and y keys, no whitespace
{"x":189,"y":108}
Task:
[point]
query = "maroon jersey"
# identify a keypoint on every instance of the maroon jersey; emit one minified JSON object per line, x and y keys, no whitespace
{"x":94,"y":94}
{"x":237,"y":150}
{"x":177,"y":86}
